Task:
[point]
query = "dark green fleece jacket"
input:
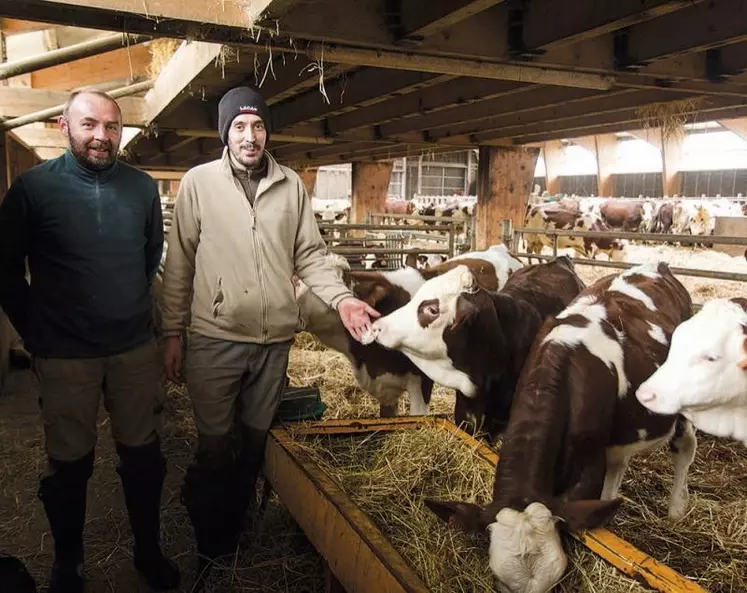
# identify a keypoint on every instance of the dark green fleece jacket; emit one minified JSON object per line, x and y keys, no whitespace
{"x":94,"y":241}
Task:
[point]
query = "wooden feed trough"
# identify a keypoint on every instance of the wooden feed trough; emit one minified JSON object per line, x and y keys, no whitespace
{"x":358,"y":554}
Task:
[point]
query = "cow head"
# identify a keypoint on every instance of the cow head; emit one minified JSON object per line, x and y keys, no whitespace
{"x":417,"y":329}
{"x":706,"y":368}
{"x":526,"y":553}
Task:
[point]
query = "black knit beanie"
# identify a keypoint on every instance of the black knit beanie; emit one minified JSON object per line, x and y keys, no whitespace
{"x":241,"y":99}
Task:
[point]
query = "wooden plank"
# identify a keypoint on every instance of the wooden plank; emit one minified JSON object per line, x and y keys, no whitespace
{"x":123,"y":63}
{"x":209,"y":13}
{"x":458,"y":67}
{"x":698,"y":27}
{"x":4,"y":180}
{"x":370,"y":186}
{"x":170,"y":175}
{"x":184,"y":66}
{"x":35,"y":137}
{"x":360,"y":87}
{"x":46,"y":154}
{"x":504,"y":182}
{"x":548,"y":22}
{"x":359,"y":555}
{"x":15,"y":26}
{"x":459,"y":92}
{"x":423,"y":20}
{"x":15,"y":102}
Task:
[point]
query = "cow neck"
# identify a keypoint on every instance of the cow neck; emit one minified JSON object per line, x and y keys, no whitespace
{"x":531,"y":448}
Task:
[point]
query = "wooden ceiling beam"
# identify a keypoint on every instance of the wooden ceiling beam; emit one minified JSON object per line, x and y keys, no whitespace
{"x":611,"y":103}
{"x":126,"y":63}
{"x":620,"y":121}
{"x":19,"y":101}
{"x":546,"y":23}
{"x":34,"y":137}
{"x":361,"y":88}
{"x":68,"y":54}
{"x":418,"y":21}
{"x":737,"y":126}
{"x":508,"y":105}
{"x":697,"y":28}
{"x":15,"y":26}
{"x":458,"y":92}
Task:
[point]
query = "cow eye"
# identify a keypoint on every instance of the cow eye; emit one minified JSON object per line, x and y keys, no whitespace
{"x":432,"y":310}
{"x":710,"y":357}
{"x":428,"y":311}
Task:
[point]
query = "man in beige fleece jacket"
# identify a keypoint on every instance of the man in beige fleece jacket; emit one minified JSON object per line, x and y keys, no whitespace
{"x":242,"y":225}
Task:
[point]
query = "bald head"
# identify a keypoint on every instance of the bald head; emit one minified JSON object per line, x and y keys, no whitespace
{"x":92,"y":124}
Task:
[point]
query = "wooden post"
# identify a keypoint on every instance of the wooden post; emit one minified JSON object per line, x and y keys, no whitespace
{"x":671,"y":156}
{"x":553,"y":153}
{"x":504,"y":182}
{"x":308,"y":176}
{"x":606,"y":152}
{"x":370,"y":186}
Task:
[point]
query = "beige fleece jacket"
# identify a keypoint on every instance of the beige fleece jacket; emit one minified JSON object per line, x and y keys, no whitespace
{"x":229,"y":264}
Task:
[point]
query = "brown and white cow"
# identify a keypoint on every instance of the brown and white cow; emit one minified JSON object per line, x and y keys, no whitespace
{"x":384,"y":373}
{"x":549,"y":217}
{"x":705,"y":374}
{"x":475,"y":340}
{"x":626,"y":215}
{"x":576,"y":422}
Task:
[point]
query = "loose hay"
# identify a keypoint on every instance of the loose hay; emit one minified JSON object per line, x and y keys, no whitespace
{"x":388,"y":475}
{"x":161,"y":50}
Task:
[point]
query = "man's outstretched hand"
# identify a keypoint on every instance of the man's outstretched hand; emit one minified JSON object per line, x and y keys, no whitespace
{"x":356,"y":316}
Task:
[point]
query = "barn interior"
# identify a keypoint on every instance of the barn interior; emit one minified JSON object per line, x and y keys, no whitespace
{"x":363,"y":82}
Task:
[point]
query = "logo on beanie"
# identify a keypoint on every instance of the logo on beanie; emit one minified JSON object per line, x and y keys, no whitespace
{"x":248,"y":109}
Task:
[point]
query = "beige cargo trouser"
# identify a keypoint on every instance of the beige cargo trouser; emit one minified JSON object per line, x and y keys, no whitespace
{"x":234,"y":383}
{"x":71,"y":388}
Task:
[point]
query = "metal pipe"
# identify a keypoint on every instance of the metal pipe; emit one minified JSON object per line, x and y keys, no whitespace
{"x":63,"y":55}
{"x":733,"y":276}
{"x":718,"y":239}
{"x":380,"y":227}
{"x":45,"y":114}
{"x":384,"y":250}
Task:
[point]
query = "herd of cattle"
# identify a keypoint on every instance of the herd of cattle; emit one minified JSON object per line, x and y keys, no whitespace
{"x":678,"y":217}
{"x":565,"y":373}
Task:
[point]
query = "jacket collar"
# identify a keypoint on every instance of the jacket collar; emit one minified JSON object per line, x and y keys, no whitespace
{"x":274,"y":175}
{"x":72,"y":165}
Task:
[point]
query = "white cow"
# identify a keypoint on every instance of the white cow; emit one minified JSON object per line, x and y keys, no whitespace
{"x":705,"y":374}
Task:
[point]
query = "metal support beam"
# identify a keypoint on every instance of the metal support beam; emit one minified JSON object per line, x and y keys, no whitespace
{"x":69,"y":54}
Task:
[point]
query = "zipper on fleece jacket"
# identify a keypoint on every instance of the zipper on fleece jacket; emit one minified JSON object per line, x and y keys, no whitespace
{"x":262,"y":290}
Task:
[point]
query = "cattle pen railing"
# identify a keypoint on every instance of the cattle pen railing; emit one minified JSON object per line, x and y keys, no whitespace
{"x":511,"y":238}
{"x":467,"y":224}
{"x":395,"y":239}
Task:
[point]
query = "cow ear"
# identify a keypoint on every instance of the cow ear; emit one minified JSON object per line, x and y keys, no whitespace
{"x":578,"y":515}
{"x":465,"y":310}
{"x":377,"y":293}
{"x":467,"y":516}
{"x":742,"y":364}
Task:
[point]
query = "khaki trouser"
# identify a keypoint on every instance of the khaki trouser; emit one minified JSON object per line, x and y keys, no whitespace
{"x":131,"y":383}
{"x":234,"y":382}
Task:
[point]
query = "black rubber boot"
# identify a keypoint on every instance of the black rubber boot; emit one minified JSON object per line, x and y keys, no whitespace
{"x":209,"y":494}
{"x":142,"y":470}
{"x":250,"y":462}
{"x":63,"y":494}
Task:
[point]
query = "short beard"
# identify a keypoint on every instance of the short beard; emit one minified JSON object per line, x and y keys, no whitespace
{"x":246,"y":162}
{"x":80,"y":152}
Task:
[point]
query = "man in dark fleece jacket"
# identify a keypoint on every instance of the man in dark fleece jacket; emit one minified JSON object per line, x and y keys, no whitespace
{"x":92,"y":231}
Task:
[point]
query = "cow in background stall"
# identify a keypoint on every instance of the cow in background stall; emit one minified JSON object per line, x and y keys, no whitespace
{"x":550,"y":217}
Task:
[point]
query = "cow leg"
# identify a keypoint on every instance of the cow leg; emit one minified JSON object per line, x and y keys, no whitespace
{"x":419,"y":388}
{"x":682,"y":446}
{"x":617,"y":463}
